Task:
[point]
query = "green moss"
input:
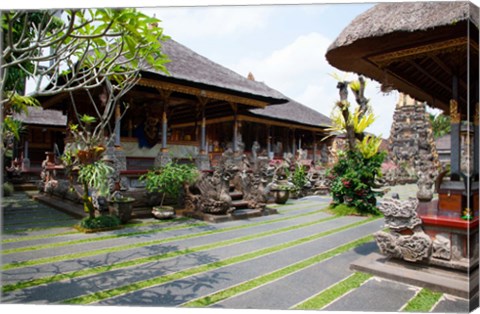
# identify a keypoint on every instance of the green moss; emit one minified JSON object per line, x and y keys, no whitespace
{"x":423,"y":301}
{"x":331,"y":294}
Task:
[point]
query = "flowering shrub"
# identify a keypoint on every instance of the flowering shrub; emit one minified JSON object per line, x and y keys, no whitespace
{"x":352,"y":179}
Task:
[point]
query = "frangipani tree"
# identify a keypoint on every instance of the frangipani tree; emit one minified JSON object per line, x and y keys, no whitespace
{"x":65,"y":51}
{"x":71,"y":50}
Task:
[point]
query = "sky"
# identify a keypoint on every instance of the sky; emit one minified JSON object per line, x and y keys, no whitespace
{"x":283,"y":46}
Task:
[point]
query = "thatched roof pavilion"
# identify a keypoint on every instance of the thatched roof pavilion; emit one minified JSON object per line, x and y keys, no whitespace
{"x":416,"y":48}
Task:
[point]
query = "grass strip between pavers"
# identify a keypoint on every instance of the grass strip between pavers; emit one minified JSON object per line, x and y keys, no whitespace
{"x":30,"y":229}
{"x":60,"y":234}
{"x":153,"y":258}
{"x":336,"y":291}
{"x":100,"y":238}
{"x":423,"y":301}
{"x":39,"y":261}
{"x":107,"y":294}
{"x":259,"y":281}
{"x":58,"y":219}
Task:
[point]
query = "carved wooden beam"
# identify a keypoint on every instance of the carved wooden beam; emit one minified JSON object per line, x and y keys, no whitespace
{"x":200,"y":92}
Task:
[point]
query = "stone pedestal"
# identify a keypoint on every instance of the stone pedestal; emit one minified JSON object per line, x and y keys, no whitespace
{"x":25,"y":164}
{"x":162,"y":159}
{"x":202,"y":162}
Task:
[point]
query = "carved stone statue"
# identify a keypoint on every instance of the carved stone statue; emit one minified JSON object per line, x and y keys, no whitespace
{"x":255,"y":149}
{"x":406,"y":239}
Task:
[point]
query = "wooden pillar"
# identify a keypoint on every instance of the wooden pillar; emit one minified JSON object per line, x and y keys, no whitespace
{"x":476,"y":140}
{"x":235,"y":129}
{"x":269,"y":140}
{"x":293,"y":142}
{"x":314,"y":147}
{"x":118,"y":116}
{"x":455,"y":120}
{"x":164,"y":131}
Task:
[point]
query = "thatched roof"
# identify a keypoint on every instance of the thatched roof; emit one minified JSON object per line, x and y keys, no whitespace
{"x":386,"y":18}
{"x":415,"y":47}
{"x":295,"y":112}
{"x":39,"y":116}
{"x":188,"y":67}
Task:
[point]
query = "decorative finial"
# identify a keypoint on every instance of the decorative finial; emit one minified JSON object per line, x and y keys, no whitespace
{"x":250,"y":76}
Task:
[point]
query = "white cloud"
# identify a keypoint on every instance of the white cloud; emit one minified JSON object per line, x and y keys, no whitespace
{"x":209,"y":22}
{"x":291,"y":68}
{"x":300,"y":71}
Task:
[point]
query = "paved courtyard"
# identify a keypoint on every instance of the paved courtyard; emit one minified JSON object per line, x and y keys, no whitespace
{"x":298,"y":259}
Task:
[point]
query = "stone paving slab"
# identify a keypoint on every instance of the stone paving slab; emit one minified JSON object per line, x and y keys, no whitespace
{"x":280,"y":294}
{"x":375,"y":295}
{"x":50,"y":269}
{"x":286,"y":214}
{"x":181,"y":291}
{"x":451,"y":304}
{"x":75,"y":287}
{"x":23,"y":256}
{"x":27,"y":273}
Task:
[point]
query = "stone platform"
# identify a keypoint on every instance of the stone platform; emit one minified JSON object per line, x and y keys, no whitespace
{"x":461,"y":284}
{"x":236,"y":215}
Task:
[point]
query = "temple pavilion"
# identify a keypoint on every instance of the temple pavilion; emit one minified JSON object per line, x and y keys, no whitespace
{"x":199,"y":110}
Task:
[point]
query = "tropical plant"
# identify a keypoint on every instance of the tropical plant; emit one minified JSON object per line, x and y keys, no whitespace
{"x":8,"y":189}
{"x":101,"y":222}
{"x":170,"y":180}
{"x":299,"y":177}
{"x":440,"y":124}
{"x":353,"y":177}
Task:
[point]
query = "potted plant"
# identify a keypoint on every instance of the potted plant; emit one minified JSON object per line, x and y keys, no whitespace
{"x":169,"y":180}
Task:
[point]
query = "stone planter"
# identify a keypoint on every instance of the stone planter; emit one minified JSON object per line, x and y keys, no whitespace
{"x":281,"y":196}
{"x":163,"y":212}
{"x":122,"y":208}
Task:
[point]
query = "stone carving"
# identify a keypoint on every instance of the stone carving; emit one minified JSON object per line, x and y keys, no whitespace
{"x":406,"y":239}
{"x":211,"y":193}
{"x":255,"y":149}
{"x":441,"y":247}
{"x":411,"y":145}
{"x":425,"y":183}
{"x":319,"y":182}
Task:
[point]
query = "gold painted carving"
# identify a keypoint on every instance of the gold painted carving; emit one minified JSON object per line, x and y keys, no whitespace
{"x":450,"y":45}
{"x":454,"y":114}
